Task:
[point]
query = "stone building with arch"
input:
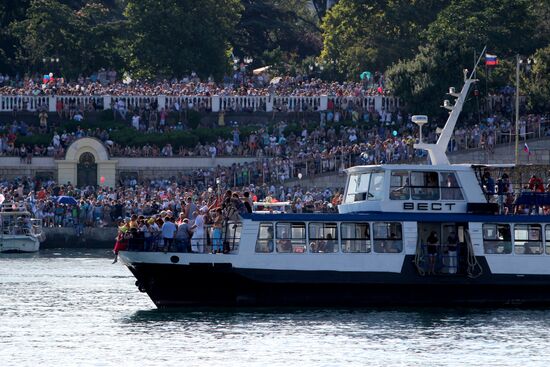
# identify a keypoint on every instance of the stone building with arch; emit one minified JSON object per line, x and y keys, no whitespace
{"x":87,"y":163}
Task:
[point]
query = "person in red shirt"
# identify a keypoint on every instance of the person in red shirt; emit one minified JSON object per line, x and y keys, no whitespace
{"x":41,"y":195}
{"x":536,"y":184}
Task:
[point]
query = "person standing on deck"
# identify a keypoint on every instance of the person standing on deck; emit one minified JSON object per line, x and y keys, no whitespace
{"x":168,"y":232}
{"x":433,"y":247}
{"x":198,"y":240}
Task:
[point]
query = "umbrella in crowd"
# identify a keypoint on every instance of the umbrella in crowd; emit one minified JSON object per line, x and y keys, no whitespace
{"x":69,"y":200}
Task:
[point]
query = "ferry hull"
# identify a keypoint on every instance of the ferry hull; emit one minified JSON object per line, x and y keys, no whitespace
{"x":222,"y":285}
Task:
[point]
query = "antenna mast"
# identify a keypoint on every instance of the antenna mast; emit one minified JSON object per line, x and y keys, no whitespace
{"x":437,"y":150}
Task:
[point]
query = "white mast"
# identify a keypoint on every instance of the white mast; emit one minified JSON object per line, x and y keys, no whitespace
{"x":437,"y":150}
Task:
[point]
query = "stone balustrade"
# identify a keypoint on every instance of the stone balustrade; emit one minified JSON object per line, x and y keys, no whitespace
{"x":269,"y":103}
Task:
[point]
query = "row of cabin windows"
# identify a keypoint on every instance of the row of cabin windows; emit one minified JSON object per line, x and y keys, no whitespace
{"x":292,"y":237}
{"x":527,"y":239}
{"x":404,"y":185}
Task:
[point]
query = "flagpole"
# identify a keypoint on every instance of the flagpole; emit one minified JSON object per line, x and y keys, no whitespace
{"x":517,"y":107}
{"x":487,"y":100}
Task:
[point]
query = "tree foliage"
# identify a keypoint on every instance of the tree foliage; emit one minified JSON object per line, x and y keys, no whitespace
{"x":169,"y":38}
{"x":81,"y":39}
{"x":461,"y":29}
{"x":10,"y":12}
{"x":277,"y":32}
{"x":537,"y":81}
{"x":372,"y":35}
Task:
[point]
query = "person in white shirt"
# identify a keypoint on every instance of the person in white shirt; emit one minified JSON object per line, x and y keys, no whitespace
{"x":212,"y":150}
{"x":135,"y":121}
{"x":197,"y":241}
{"x":121,"y":108}
{"x":168,"y":232}
{"x":56,"y":140}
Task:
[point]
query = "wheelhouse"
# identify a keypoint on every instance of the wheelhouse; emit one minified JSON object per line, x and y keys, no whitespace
{"x":396,"y":188}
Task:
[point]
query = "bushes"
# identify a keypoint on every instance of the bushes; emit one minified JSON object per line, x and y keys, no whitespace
{"x":193,"y":118}
{"x":129,"y":136}
{"x":70,"y":126}
{"x":38,"y":139}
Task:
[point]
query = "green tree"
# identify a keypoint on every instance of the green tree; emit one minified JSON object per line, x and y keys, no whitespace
{"x":277,"y":32}
{"x":536,"y":82}
{"x":167,"y":38}
{"x":83,"y":40}
{"x":506,"y":26}
{"x":373,"y":34}
{"x":10,"y":11}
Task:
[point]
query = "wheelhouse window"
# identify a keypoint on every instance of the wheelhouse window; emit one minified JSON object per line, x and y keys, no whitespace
{"x":450,"y":189}
{"x":388,"y":237}
{"x":400,"y":188}
{"x":291,"y":237}
{"x":323,"y":237}
{"x":264,"y":242}
{"x":528,"y":239}
{"x":376,"y":187}
{"x":424,"y":186}
{"x":365,"y":186}
{"x":497,"y":238}
{"x":547,"y":237}
{"x":355,"y":237}
{"x":358,"y":188}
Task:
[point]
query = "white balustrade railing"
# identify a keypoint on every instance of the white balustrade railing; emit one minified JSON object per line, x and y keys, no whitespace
{"x":24,"y":103}
{"x":270,"y":103}
{"x":79,"y":101}
{"x":214,"y":103}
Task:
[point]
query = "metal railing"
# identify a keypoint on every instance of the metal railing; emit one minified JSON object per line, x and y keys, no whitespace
{"x":227,"y":241}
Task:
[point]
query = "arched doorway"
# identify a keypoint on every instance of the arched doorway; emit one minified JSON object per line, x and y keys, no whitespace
{"x":86,"y":170}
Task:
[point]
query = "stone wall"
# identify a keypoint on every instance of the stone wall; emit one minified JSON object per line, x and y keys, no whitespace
{"x":67,"y":238}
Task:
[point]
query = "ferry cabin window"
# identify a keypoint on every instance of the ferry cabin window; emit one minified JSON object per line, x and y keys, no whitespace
{"x":387,"y":237}
{"x":400,"y":188}
{"x":528,"y":239}
{"x":355,"y":237}
{"x":547,"y":237}
{"x":323,"y":237}
{"x":424,"y":186}
{"x":232,"y":234}
{"x":291,"y":238}
{"x":358,"y":187}
{"x":264,"y":242}
{"x":450,"y":189}
{"x":497,"y":238}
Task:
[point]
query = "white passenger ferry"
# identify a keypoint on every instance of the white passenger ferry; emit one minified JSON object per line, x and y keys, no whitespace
{"x":19,"y":232}
{"x":404,"y":235}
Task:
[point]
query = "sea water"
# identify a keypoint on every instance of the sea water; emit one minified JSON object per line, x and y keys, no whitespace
{"x":75,"y":308}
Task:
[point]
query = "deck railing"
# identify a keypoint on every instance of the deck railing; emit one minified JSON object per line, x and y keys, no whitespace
{"x":228,"y":242}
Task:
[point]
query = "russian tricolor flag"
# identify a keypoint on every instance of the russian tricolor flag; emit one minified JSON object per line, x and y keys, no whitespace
{"x":526,"y":149}
{"x":491,"y":60}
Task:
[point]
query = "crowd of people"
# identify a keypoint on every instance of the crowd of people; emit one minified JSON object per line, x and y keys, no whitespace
{"x":279,"y":153}
{"x":196,"y":202}
{"x":532,"y":197}
{"x":144,"y":208}
{"x":109,"y":83}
